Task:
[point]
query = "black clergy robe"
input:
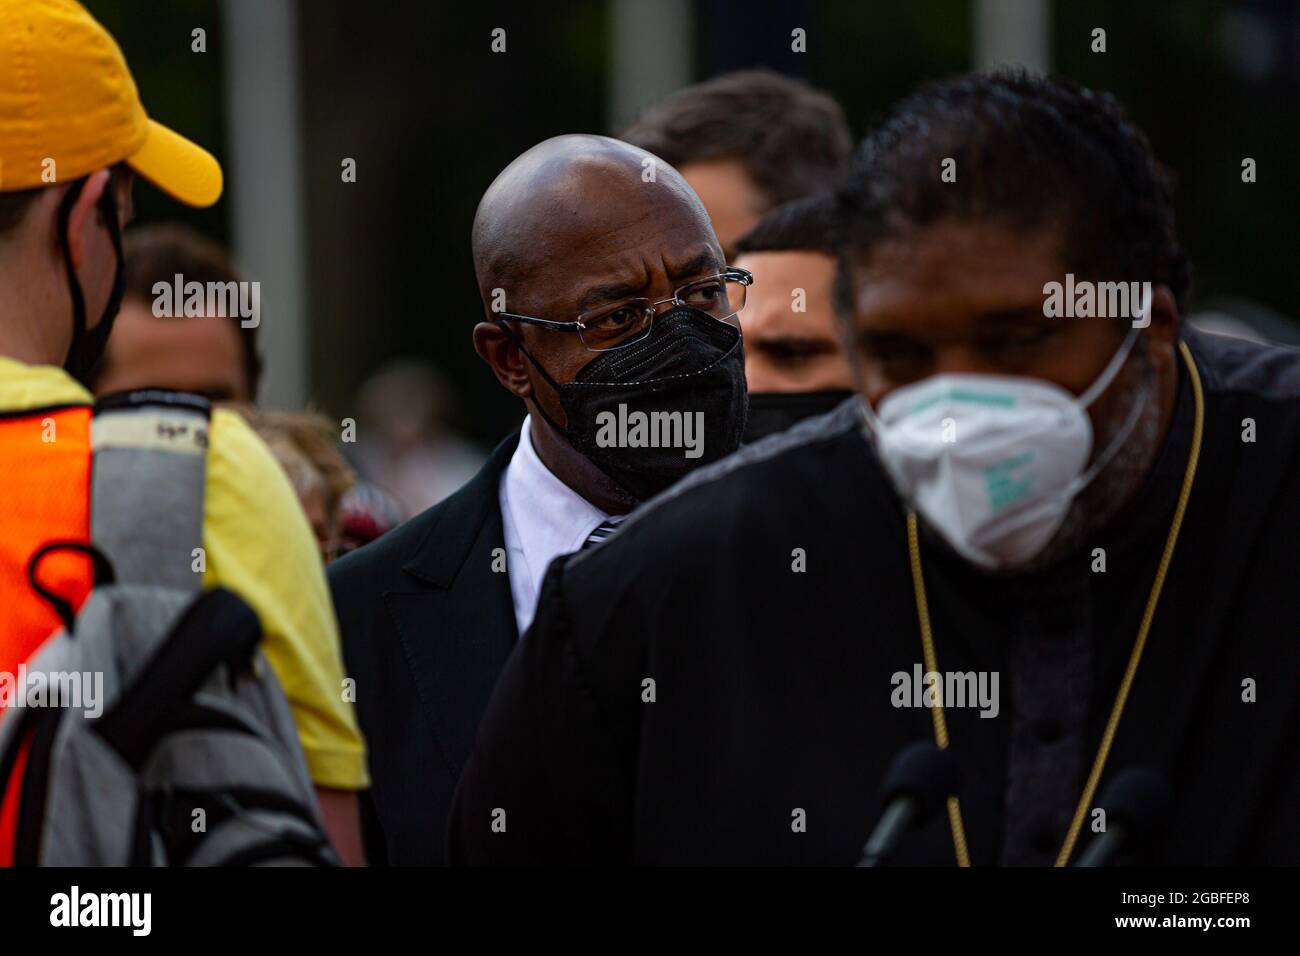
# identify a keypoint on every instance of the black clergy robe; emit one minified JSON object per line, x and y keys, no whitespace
{"x":687,"y":696}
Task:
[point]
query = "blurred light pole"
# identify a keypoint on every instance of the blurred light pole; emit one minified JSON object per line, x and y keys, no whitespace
{"x":651,"y":52}
{"x":264,"y":178}
{"x":1013,"y":33}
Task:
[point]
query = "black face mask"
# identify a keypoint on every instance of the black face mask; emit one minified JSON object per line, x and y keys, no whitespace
{"x":772,"y":412}
{"x":691,"y":365}
{"x":88,"y":345}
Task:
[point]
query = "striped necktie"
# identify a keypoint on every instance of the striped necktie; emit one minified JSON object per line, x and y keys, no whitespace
{"x":602,"y":532}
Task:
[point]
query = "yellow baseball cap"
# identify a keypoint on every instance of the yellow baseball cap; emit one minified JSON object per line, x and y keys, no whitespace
{"x":67,"y":96}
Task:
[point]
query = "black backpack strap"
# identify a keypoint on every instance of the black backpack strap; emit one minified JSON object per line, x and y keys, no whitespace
{"x":218,"y":628}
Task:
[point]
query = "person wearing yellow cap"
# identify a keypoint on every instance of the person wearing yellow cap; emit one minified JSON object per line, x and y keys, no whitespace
{"x":73,"y":135}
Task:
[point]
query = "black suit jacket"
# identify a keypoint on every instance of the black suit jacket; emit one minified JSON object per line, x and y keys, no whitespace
{"x":427,"y":625}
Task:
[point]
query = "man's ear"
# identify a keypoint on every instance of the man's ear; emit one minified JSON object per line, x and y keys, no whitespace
{"x":82,"y":218}
{"x":501,"y":352}
{"x":1162,"y":334}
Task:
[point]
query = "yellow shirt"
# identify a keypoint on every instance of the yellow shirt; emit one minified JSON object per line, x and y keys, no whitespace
{"x":258,"y":544}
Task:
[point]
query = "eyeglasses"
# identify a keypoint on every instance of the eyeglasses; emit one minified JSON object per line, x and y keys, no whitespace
{"x":624,"y":323}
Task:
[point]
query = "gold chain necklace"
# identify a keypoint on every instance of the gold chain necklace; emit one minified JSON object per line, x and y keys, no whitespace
{"x":1130,"y":672}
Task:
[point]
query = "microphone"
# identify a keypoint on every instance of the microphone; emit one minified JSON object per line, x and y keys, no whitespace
{"x":1133,"y":802}
{"x":918,"y":783}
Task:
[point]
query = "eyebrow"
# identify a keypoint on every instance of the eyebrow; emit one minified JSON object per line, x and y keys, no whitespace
{"x":794,"y":342}
{"x":1013,"y":315}
{"x":705,"y":262}
{"x":609,"y":292}
{"x":613,"y":291}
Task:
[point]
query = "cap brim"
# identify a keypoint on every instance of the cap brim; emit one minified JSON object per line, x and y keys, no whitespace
{"x":181,"y":169}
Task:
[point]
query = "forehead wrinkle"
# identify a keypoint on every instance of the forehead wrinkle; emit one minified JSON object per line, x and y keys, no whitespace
{"x":636,"y":278}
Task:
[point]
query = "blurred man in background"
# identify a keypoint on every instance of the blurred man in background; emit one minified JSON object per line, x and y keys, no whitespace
{"x":794,"y":360}
{"x":405,"y":442}
{"x":605,"y":297}
{"x":215,"y":356}
{"x":1023,"y":498}
{"x":747,"y":142}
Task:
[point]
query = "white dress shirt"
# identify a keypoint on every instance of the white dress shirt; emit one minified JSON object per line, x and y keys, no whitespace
{"x":543,"y":518}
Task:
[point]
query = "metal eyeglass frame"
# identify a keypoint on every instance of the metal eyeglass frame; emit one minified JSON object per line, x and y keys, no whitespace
{"x":729,"y":274}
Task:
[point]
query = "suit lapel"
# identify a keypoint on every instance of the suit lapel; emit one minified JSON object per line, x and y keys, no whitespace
{"x":457,"y":621}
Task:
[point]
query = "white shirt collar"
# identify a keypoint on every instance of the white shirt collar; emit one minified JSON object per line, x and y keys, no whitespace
{"x":543,"y":518}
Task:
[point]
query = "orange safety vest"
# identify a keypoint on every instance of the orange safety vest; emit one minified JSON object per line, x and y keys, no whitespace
{"x":45,"y":459}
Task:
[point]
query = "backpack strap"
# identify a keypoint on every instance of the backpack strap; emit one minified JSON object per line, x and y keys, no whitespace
{"x":148,"y":480}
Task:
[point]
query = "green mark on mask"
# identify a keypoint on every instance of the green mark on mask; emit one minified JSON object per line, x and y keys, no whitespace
{"x":1001,"y":400}
{"x":1005,"y":488}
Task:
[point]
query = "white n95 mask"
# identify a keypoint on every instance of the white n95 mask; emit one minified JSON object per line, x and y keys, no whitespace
{"x":993,"y":462}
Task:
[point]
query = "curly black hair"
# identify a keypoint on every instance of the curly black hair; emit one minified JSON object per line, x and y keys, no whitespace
{"x":1030,"y":151}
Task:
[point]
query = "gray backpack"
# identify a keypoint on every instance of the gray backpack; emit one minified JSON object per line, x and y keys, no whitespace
{"x":162,"y":737}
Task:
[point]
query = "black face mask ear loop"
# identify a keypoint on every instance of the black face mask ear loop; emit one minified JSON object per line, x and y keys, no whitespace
{"x":74,"y":284}
{"x":84,"y":353}
{"x":108,"y":208}
{"x":555,"y":386}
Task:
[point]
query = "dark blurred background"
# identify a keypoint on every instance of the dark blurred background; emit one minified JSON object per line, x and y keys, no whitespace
{"x":356,"y":274}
